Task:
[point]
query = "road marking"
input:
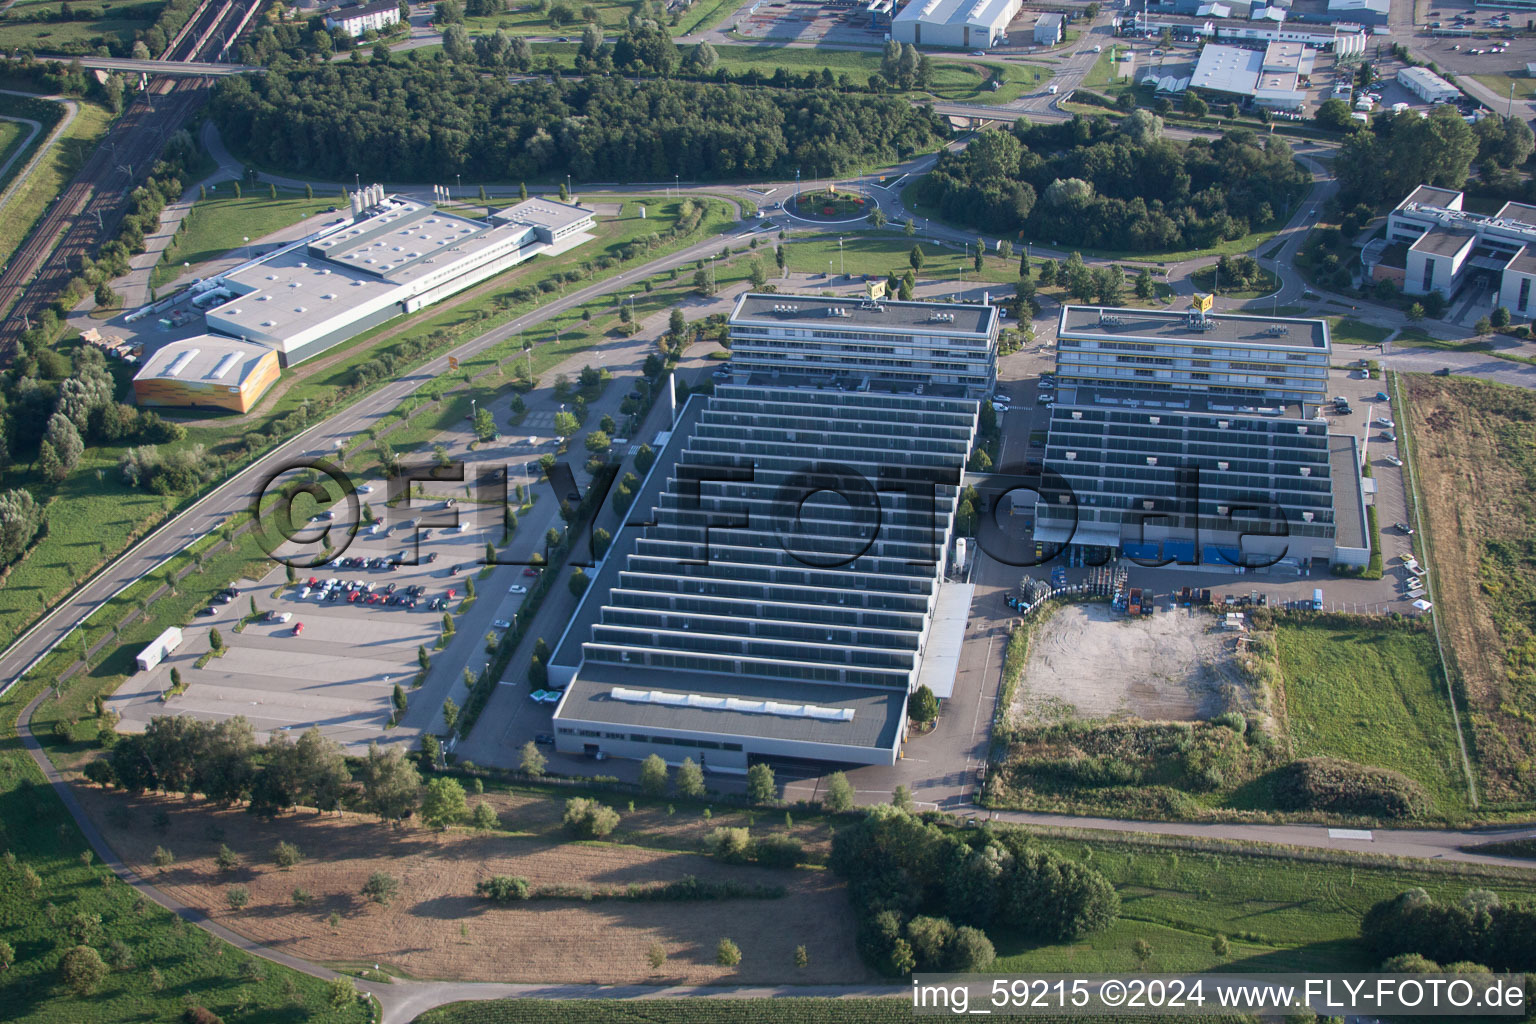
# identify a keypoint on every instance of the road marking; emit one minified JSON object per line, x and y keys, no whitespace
{"x":1353,"y":834}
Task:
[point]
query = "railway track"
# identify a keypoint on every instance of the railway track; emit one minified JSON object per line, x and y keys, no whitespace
{"x":89,"y":211}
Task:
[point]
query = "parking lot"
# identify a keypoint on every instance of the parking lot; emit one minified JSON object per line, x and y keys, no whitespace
{"x":333,"y":655}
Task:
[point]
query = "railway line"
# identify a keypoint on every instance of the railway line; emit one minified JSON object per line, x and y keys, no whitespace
{"x":89,"y":211}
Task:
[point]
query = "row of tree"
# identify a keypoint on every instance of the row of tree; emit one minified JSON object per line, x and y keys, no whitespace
{"x":1095,"y":183}
{"x":1480,"y":927}
{"x":428,"y":120}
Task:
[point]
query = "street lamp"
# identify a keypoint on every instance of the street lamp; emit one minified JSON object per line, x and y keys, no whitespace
{"x":247,"y":240}
{"x":842,"y":271}
{"x":460,"y":179}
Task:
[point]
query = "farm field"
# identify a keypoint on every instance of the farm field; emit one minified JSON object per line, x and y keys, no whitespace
{"x":1473,"y":447}
{"x":219,"y":223}
{"x":36,"y":25}
{"x":438,"y":928}
{"x":1375,"y":697}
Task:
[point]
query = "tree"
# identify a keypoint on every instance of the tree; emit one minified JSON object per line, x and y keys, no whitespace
{"x":162,"y":858}
{"x":226,"y":860}
{"x":601,"y":539}
{"x":397,"y":698}
{"x":925,"y":706}
{"x":485,"y":817}
{"x":390,"y":783}
{"x":727,"y":953}
{"x":381,"y":887}
{"x":444,"y":803}
{"x":656,"y":956}
{"x":531,"y":760}
{"x":450,"y":714}
{"x":238,"y":897}
{"x":340,"y":992}
{"x":876,"y":218}
{"x":1145,"y":289}
{"x":839,"y":793}
{"x":7,"y":956}
{"x":1483,"y":327}
{"x":83,"y":970}
{"x":588,"y":819}
{"x":653,"y":776}
{"x":598,"y":442}
{"x":802,"y":958}
{"x":901,"y":798}
{"x":1500,"y":318}
{"x":504,"y":889}
{"x":1416,"y":312}
{"x":756,"y":273}
{"x":1221,"y":947}
{"x":916,"y":258}
{"x":760,"y":784}
{"x":1194,"y":106}
{"x":579,"y":581}
{"x":690,"y":779}
{"x":286,"y":855}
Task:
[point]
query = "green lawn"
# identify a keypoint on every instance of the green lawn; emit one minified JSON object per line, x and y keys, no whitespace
{"x":108,"y":22}
{"x":1346,"y":330}
{"x":703,"y":15}
{"x":219,"y":223}
{"x":785,"y":1010}
{"x":1280,"y":913}
{"x":52,"y":172}
{"x":1376,"y":697}
{"x":524,"y":20}
{"x":883,"y":252}
{"x":1525,"y":85}
{"x":11,"y":136}
{"x":1204,"y":280}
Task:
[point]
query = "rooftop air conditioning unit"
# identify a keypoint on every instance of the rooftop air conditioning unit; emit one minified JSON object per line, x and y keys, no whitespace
{"x":1222,"y":510}
{"x":1306,"y":517}
{"x":1077,"y":415}
{"x":1154,"y":420}
{"x":1222,"y":465}
{"x":1151,"y":460}
{"x":1306,"y":470}
{"x":1223,"y":424}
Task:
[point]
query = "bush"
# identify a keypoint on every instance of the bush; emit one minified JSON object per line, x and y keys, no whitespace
{"x":1479,"y":928}
{"x":200,"y":1015}
{"x":1343,"y":787}
{"x":82,"y":970}
{"x":286,"y":855}
{"x":504,"y":889}
{"x":226,"y":860}
{"x":780,"y":851}
{"x":381,"y":888}
{"x":727,"y":953}
{"x":731,"y":845}
{"x":588,"y":819}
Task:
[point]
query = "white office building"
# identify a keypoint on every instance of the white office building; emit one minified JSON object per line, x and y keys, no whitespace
{"x":363,"y":18}
{"x":394,"y":256}
{"x":1447,"y":246}
{"x":1427,"y":85}
{"x":966,"y":24}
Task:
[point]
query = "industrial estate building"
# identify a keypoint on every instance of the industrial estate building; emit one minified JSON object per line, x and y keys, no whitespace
{"x":394,"y":256}
{"x":891,"y":346}
{"x":777,"y":590}
{"x":207,"y":371}
{"x":1346,"y":41}
{"x":1427,"y":85}
{"x":969,"y":24}
{"x":1272,"y":78}
{"x":1049,"y":29}
{"x":1198,"y":438}
{"x":1436,"y":246}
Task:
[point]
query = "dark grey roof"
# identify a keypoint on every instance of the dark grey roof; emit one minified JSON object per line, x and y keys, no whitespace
{"x":1170,"y":326}
{"x":901,"y":316}
{"x":1443,"y":241}
{"x":1523,"y":262}
{"x":360,"y":10}
{"x":1172,"y":400}
{"x":876,"y":719}
{"x":1344,"y":472}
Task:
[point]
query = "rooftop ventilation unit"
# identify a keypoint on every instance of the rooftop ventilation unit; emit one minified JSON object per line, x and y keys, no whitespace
{"x":1151,"y":460}
{"x":1110,"y":320}
{"x":1306,"y":470}
{"x":1154,"y":420}
{"x":1307,"y":517}
{"x":180,"y":363}
{"x":1071,"y":456}
{"x":1276,"y":330}
{"x":1223,"y":465}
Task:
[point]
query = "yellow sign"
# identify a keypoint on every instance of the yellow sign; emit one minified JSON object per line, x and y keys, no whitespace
{"x":453,"y":363}
{"x":877,"y":289}
{"x":1202,"y":303}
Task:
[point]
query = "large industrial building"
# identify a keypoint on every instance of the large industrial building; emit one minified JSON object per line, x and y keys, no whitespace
{"x":207,"y":371}
{"x":1272,"y":78}
{"x":967,"y":24}
{"x":777,"y":591}
{"x":394,"y":256}
{"x":1427,"y":85}
{"x":1198,"y":438}
{"x":893,"y":345}
{"x":1436,"y":246}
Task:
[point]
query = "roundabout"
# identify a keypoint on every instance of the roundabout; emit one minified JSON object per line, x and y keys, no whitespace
{"x":831,"y":206}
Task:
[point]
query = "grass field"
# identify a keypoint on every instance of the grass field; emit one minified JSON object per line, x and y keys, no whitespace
{"x":524,"y":20}
{"x":12,"y":134}
{"x":1346,"y":330}
{"x":1205,"y":278}
{"x":1473,"y":448}
{"x":52,"y":172}
{"x":1374,"y":697}
{"x":886,"y":251}
{"x":704,"y":14}
{"x":785,"y":1010}
{"x":25,"y":25}
{"x":219,"y":223}
{"x":1525,"y":85}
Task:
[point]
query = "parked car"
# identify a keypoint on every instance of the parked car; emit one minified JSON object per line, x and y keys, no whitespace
{"x":501,"y":624}
{"x":210,"y":610}
{"x":544,"y":739}
{"x":1404,"y":528}
{"x":365,"y":489}
{"x":298,"y":628}
{"x":1394,"y":460}
{"x":532,"y":570}
{"x":1387,"y":435}
{"x":1382,"y":421}
{"x":517,"y":588}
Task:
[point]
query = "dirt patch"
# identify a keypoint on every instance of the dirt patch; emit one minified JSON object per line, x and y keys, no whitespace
{"x":437,"y":928}
{"x":1089,"y":661}
{"x":1472,"y":455}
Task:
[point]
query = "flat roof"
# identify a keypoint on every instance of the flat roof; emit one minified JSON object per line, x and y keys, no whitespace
{"x":965,"y":318}
{"x":203,"y":358}
{"x":1170,"y":326}
{"x":1048,"y":19}
{"x":408,"y":239}
{"x":1523,"y":262}
{"x":289,"y":292}
{"x":875,"y":722}
{"x":1344,"y":474}
{"x":1442,"y":241}
{"x":1232,"y":69}
{"x":946,"y":635}
{"x":1431,"y":195}
{"x":543,"y":213}
{"x":1524,"y":213}
{"x":958,"y":12}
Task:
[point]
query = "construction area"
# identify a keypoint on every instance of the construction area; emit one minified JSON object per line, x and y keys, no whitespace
{"x":1091,"y":661}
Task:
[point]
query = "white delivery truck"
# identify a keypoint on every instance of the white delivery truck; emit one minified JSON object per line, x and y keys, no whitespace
{"x":162,"y":645}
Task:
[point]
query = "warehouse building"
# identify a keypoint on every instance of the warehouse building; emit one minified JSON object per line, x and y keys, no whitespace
{"x":1269,"y":78}
{"x":967,"y":24}
{"x":861,"y":343}
{"x":1197,"y":438}
{"x":394,"y":256}
{"x":1427,"y":85}
{"x":1441,"y":246}
{"x":207,"y":372}
{"x":1049,"y":29}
